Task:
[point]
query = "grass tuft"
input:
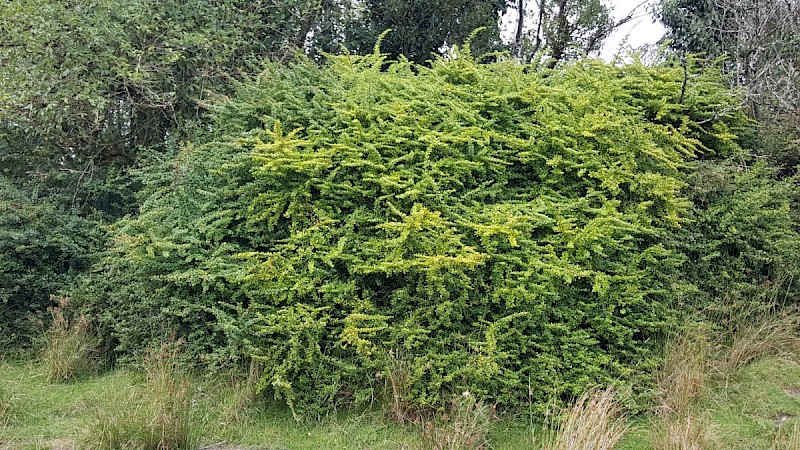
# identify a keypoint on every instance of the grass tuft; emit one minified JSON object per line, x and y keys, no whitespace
{"x":156,"y":416}
{"x":7,"y":406}
{"x":685,"y":373}
{"x":464,"y":427}
{"x":682,"y":432}
{"x":596,"y":421}
{"x":684,"y":376}
{"x":788,"y":439}
{"x":396,"y":388}
{"x":244,"y":394}
{"x":772,"y":334}
{"x":69,"y":346}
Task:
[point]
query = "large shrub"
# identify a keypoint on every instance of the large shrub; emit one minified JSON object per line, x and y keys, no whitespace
{"x":42,"y":247}
{"x":741,"y":244}
{"x":493,"y":227}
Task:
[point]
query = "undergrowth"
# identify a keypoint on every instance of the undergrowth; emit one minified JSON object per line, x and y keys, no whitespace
{"x":157,"y":415}
{"x":69,"y":346}
{"x":596,"y":421}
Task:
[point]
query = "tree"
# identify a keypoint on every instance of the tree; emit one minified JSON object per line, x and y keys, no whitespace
{"x":562,"y":29}
{"x":759,"y":42}
{"x":87,"y":84}
{"x":420,"y":28}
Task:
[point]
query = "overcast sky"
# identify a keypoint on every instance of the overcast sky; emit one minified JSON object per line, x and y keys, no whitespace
{"x":644,"y":29}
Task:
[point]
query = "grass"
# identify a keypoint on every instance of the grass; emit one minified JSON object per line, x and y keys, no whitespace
{"x":735,"y":389}
{"x":597,"y":421}
{"x":57,"y":415}
{"x":47,"y":412}
{"x":155,"y":415}
{"x":739,"y":390}
{"x":69,"y":350}
{"x":684,"y":374}
{"x":788,"y":439}
{"x":772,"y":334}
{"x":757,"y":407}
{"x":678,"y":423}
{"x":397,"y":384}
{"x":741,"y":414}
{"x":7,"y":406}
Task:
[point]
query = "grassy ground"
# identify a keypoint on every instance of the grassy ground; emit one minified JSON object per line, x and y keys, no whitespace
{"x":756,"y":408}
{"x":57,"y":415}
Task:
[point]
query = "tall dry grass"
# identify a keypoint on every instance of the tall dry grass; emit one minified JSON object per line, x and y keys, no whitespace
{"x":683,"y":432}
{"x":245,"y":394}
{"x":155,"y":416}
{"x":397,"y":383}
{"x":788,"y":439}
{"x":7,"y":406}
{"x":597,"y":421}
{"x":775,"y":333}
{"x":69,"y":346}
{"x":684,"y":374}
{"x":465,"y":426}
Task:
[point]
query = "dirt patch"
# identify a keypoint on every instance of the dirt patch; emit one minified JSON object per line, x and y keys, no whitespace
{"x":781,"y":418}
{"x":793,"y":392}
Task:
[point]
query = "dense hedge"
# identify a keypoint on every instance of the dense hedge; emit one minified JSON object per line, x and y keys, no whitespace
{"x":481,"y":226}
{"x":42,"y":247}
{"x":741,"y":244}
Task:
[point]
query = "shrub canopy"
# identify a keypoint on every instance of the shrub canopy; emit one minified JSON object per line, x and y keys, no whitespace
{"x":479,"y":226}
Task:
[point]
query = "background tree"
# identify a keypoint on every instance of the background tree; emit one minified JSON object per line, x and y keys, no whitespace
{"x":562,"y":29}
{"x":421,"y":28}
{"x":759,"y":42}
{"x":87,"y":84}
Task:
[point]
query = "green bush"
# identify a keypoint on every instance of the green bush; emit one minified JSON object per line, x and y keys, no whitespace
{"x":41,"y":248}
{"x":742,"y":245}
{"x":498,"y":226}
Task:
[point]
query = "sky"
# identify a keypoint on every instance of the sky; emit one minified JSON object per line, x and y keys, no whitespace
{"x":643,"y":29}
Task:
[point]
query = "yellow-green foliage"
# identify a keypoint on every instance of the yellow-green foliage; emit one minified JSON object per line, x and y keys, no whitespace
{"x":497,"y":225}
